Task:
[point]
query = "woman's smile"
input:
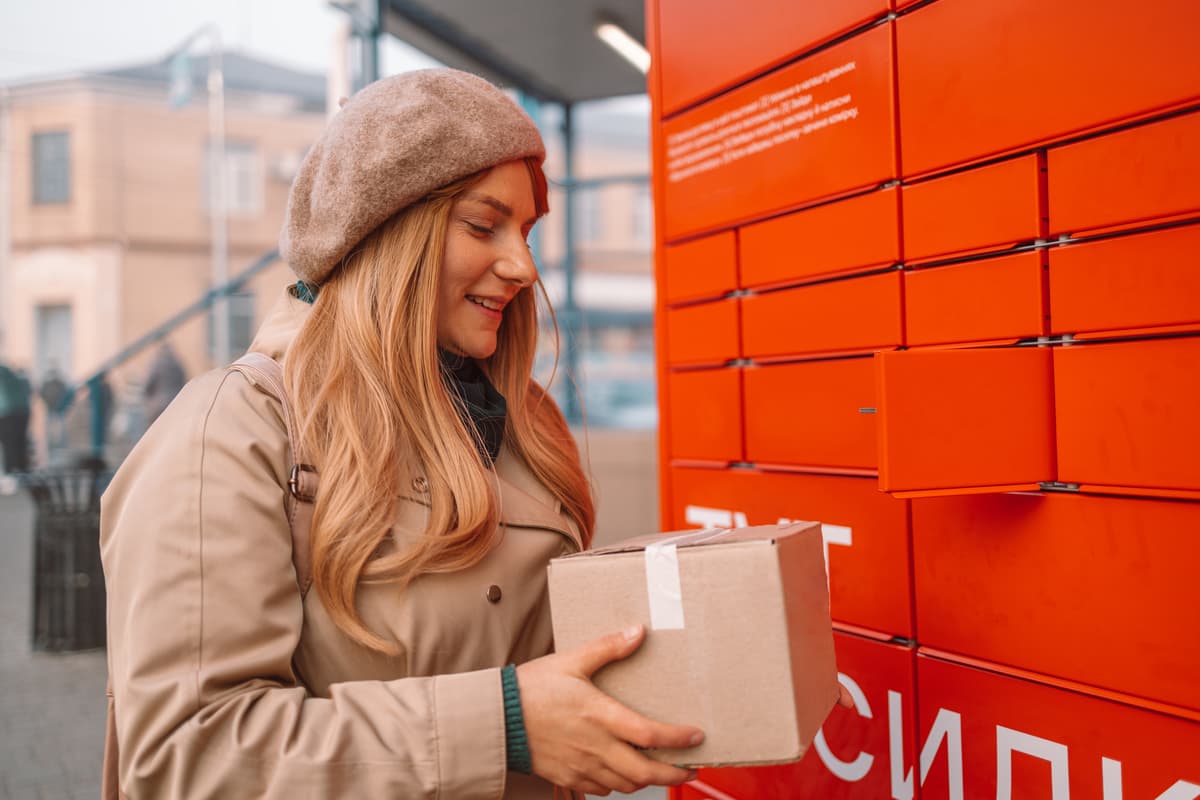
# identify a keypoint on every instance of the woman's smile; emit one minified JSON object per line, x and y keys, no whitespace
{"x":487,"y":259}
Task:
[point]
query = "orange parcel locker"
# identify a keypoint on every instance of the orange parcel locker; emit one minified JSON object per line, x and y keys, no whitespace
{"x":965,"y":420}
{"x":991,"y":299}
{"x":986,"y":207}
{"x":704,"y":415}
{"x":815,"y":414}
{"x":853,"y":235}
{"x":865,"y":532}
{"x":1097,"y":590}
{"x":1140,"y":174}
{"x":704,"y":47}
{"x":979,"y":78}
{"x":1147,"y":280}
{"x":701,"y":269}
{"x":848,"y":314}
{"x":851,"y":756}
{"x":704,"y":333}
{"x":816,"y":128}
{"x":992,"y":735}
{"x":1126,"y":414}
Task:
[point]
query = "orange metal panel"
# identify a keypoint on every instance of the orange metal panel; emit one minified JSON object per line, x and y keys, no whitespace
{"x":702,"y":268}
{"x":866,"y":532}
{"x":706,"y":46}
{"x":952,"y":419}
{"x":1125,"y":177}
{"x":1142,"y":281}
{"x":857,"y":742}
{"x":987,"y":300}
{"x":986,"y":207}
{"x":662,"y":285}
{"x":1126,"y":413}
{"x":1052,"y":583}
{"x":979,"y":78}
{"x":705,"y":415}
{"x":820,"y":127}
{"x":1023,"y":739}
{"x":847,"y":236}
{"x":850,"y":314}
{"x":703,"y":334}
{"x":697,"y":790}
{"x":808,"y":414}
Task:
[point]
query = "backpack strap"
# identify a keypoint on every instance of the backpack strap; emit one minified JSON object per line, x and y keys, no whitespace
{"x":267,"y":375}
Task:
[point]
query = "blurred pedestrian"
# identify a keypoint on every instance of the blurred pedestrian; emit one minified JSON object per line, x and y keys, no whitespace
{"x":53,"y":390}
{"x":448,"y":479}
{"x":164,"y":380}
{"x":54,"y":395}
{"x":14,"y":419}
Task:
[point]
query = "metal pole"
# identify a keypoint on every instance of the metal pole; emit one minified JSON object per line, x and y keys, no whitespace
{"x":570,"y":311}
{"x":533,"y":108}
{"x":366,"y":23}
{"x":98,"y":406}
{"x":337,"y":81}
{"x":5,"y":206}
{"x":370,"y":43}
{"x":219,"y":197}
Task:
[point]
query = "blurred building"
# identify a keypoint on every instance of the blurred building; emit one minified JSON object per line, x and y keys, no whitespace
{"x":107,"y":229}
{"x":613,"y":246}
{"x":108,"y":212}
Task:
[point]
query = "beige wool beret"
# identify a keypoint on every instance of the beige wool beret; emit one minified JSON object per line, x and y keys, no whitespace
{"x":390,"y":145}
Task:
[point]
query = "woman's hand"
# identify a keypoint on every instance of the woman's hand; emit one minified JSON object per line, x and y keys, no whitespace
{"x":582,"y":739}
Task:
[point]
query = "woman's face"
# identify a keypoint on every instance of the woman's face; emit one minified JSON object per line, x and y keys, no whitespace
{"x":487,"y":259}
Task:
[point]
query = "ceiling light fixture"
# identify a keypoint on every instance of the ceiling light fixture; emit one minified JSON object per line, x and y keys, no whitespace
{"x":628,"y":47}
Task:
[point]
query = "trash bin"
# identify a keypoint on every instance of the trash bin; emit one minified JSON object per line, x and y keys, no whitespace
{"x":68,"y":582}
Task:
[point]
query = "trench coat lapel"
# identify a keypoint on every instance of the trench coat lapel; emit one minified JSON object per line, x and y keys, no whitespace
{"x":524,"y":501}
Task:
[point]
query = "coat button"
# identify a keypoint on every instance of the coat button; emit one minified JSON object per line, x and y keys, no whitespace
{"x":494,"y":594}
{"x":420,"y":484}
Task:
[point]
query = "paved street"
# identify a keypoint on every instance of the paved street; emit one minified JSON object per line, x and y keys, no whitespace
{"x":51,"y":706}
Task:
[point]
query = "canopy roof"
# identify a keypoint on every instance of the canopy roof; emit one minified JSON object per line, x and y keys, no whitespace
{"x":545,"y":48}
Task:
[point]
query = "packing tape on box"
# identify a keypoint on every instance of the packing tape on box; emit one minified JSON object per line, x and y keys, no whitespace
{"x":662,"y":578}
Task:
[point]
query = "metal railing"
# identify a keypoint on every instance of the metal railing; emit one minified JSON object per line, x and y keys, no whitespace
{"x":95,"y":387}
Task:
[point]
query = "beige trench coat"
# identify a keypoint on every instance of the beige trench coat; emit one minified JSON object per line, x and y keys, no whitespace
{"x":229,"y":684}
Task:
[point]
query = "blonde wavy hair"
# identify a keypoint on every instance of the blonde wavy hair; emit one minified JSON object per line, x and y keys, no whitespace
{"x":364,"y":376}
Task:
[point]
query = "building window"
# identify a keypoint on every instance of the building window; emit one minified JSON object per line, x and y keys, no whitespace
{"x":241,"y":325}
{"x":243,"y":178}
{"x":51,"y":167}
{"x":643,"y":216}
{"x":589,"y":215}
{"x":52,"y":342}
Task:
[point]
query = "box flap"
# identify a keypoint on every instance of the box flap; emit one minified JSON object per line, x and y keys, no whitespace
{"x":707,"y":537}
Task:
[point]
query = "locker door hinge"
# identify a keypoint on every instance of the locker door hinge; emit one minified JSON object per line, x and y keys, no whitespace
{"x":1058,"y":486}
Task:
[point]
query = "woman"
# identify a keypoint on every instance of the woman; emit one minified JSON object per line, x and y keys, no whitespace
{"x":447,"y":480}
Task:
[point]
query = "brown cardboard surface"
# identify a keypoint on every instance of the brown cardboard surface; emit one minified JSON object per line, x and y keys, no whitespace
{"x":753,"y":664}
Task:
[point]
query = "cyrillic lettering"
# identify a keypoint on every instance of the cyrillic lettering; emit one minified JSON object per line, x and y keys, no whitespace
{"x":1009,"y":740}
{"x":857,"y":769}
{"x":708,"y":517}
{"x":1114,"y":788}
{"x":947,"y":725}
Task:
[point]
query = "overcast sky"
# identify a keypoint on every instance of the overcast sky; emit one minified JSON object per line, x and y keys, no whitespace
{"x":40,"y":37}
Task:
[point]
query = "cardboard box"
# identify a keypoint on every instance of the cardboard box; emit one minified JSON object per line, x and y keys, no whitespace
{"x":739,"y":640}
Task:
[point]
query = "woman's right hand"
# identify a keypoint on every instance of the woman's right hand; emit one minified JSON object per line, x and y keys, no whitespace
{"x":582,"y":739}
